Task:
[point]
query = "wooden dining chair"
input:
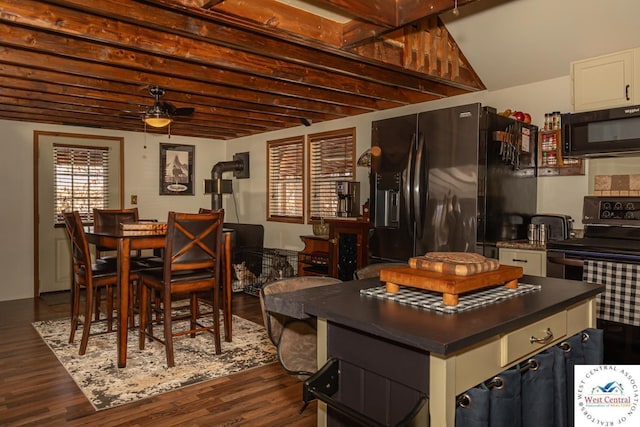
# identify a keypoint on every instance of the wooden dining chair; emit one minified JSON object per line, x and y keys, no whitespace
{"x":191,"y":266}
{"x":89,"y":277}
{"x":295,"y":339}
{"x":113,"y":218}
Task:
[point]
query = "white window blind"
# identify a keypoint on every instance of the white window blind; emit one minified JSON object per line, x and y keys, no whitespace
{"x":285,"y":180}
{"x":331,"y":159}
{"x":81,"y":180}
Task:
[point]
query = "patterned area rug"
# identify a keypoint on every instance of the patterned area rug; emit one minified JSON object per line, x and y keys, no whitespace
{"x":146,"y":374}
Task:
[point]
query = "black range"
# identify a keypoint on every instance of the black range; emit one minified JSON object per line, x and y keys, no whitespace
{"x":611,"y":233}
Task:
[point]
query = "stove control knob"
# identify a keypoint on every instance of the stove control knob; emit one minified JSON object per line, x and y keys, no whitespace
{"x":630,"y":206}
{"x":606,"y":214}
{"x":606,"y":206}
{"x":628,"y":215}
{"x":618,"y":206}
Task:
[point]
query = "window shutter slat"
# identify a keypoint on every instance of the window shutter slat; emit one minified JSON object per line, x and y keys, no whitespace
{"x":80,"y":180}
{"x":285,"y":177}
{"x":331,"y":159}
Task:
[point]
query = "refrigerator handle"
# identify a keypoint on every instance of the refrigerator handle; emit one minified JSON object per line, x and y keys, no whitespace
{"x":419,"y":193}
{"x":406,"y":186}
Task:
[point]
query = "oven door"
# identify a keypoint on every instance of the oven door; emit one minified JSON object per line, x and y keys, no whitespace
{"x":569,"y":264}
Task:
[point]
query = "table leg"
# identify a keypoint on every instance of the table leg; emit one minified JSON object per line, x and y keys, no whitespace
{"x":442,"y":391}
{"x":124,"y":267}
{"x":226,"y":286}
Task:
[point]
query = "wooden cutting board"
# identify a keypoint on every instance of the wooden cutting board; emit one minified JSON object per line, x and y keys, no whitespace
{"x":448,"y":284}
{"x":454,"y":267}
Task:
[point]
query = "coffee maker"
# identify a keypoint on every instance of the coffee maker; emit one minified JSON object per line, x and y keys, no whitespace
{"x":348,"y":193}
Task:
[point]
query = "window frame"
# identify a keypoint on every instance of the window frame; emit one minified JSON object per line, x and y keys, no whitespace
{"x":349,"y":175}
{"x":89,"y":152}
{"x":297,"y":141}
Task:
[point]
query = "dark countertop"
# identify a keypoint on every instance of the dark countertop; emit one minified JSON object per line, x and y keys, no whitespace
{"x":521,"y":244}
{"x":442,"y":334}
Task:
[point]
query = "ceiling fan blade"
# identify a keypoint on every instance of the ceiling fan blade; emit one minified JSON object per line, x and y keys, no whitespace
{"x":183,"y":111}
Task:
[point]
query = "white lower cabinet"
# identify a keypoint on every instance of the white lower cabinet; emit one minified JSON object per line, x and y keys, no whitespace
{"x":532,"y":262}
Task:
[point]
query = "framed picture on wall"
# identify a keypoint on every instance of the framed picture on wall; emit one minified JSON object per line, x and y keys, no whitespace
{"x":177,"y":169}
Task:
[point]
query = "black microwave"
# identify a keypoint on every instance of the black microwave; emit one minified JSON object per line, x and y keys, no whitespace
{"x":602,"y":133}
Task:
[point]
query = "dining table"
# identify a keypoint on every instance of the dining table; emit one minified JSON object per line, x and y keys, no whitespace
{"x":123,"y":241}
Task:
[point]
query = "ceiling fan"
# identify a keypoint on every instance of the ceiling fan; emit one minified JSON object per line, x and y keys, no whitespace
{"x":161,"y":113}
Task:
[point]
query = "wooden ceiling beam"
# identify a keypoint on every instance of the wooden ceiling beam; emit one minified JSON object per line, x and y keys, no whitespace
{"x":221,"y":62}
{"x":104,"y":118}
{"x":413,"y":10}
{"x":246,"y":67}
{"x":110,"y":100}
{"x":224,"y":30}
{"x":357,"y":32}
{"x":103,"y":115}
{"x":425,"y":47}
{"x":12,"y":112}
{"x":279,"y":16}
{"x":379,"y":12}
{"x":79,"y":86}
{"x":136,"y":68}
{"x":193,"y":58}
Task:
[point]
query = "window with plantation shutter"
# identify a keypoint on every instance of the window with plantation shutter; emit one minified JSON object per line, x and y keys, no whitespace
{"x":331,"y":159}
{"x":285,"y":180}
{"x":81,"y":180}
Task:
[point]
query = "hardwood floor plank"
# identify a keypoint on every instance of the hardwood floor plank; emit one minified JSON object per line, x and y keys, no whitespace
{"x":36,"y":390}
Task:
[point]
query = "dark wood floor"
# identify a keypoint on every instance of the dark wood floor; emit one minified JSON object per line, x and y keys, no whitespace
{"x":36,"y":390}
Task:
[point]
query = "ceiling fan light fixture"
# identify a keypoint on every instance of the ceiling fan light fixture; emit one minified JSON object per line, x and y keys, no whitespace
{"x":157,"y":120}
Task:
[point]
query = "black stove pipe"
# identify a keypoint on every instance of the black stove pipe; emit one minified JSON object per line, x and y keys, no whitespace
{"x":216,"y":173}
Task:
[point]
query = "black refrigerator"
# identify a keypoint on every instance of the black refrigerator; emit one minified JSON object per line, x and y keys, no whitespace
{"x":456,"y":179}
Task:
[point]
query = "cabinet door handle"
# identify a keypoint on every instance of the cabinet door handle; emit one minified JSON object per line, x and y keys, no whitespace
{"x":626,"y":92}
{"x":519,"y":260}
{"x":547,"y":338}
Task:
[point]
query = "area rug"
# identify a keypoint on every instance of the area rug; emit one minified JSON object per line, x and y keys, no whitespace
{"x":146,"y":374}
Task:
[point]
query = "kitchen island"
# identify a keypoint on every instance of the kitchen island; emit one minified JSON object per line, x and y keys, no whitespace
{"x":437,"y":356}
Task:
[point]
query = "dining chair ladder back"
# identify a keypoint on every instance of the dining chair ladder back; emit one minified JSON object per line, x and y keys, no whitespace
{"x":225,"y":279}
{"x":112,"y":218}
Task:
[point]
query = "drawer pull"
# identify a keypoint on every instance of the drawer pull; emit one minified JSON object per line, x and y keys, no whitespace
{"x":547,"y":338}
{"x":519,"y":260}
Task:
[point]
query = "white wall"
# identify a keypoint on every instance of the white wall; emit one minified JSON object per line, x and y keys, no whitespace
{"x":248,"y":205}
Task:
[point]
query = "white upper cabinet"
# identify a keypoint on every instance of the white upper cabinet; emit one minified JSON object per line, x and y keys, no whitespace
{"x":605,"y":81}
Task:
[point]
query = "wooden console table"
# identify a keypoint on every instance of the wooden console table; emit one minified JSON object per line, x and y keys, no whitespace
{"x":348,"y":246}
{"x":339,"y":254}
{"x":313,"y":260}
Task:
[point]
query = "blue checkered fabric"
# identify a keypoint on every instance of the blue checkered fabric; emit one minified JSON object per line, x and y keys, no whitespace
{"x":433,"y":300}
{"x":618,"y":301}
